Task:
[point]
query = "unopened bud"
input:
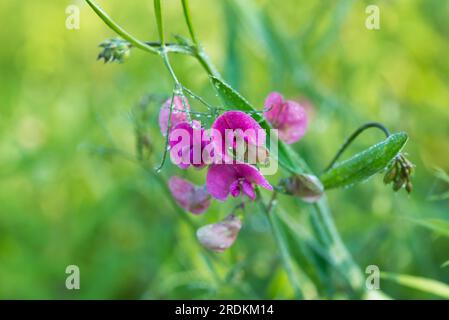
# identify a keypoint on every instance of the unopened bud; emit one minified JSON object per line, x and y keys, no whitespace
{"x":305,"y":186}
{"x":399,"y":173}
{"x":409,"y":187}
{"x":114,"y":50}
{"x":220,"y":236}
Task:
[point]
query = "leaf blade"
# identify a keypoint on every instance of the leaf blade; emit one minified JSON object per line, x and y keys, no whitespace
{"x":431,"y":286}
{"x":364,"y":164}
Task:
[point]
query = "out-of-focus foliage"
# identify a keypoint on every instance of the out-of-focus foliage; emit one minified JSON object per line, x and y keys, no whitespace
{"x":67,"y":197}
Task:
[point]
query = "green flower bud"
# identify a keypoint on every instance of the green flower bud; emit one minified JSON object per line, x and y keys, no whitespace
{"x":114,"y":50}
{"x":399,"y":173}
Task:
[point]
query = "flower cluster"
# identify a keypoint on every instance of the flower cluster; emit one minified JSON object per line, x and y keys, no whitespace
{"x":114,"y":50}
{"x":399,"y":173}
{"x":220,"y":149}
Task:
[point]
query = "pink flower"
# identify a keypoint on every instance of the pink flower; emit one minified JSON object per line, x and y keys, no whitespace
{"x":289,"y":117}
{"x":232,"y":124}
{"x":234,"y":179}
{"x":178,"y":114}
{"x":220,"y":236}
{"x":192,"y":198}
{"x":187,"y":143}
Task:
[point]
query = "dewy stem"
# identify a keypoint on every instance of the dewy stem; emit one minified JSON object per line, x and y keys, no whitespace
{"x":119,"y":30}
{"x":352,"y":137}
{"x":167,"y":134}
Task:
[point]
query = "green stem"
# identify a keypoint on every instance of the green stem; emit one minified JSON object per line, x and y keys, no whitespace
{"x":200,"y":55}
{"x":160,"y":26}
{"x":186,"y":11}
{"x":338,"y":250}
{"x":167,"y":134}
{"x":172,"y":73}
{"x":281,"y":242}
{"x":119,"y":30}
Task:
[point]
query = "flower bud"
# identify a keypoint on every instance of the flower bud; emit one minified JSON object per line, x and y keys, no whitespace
{"x":390,"y":175}
{"x":399,"y":173}
{"x":114,"y":50}
{"x":305,"y":186}
{"x":220,"y":236}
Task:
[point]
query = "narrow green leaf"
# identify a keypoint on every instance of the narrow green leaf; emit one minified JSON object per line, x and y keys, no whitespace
{"x":158,"y":14}
{"x":422,"y":284}
{"x":233,"y":100}
{"x":364,"y":164}
{"x":440,"y":227}
{"x":232,"y":64}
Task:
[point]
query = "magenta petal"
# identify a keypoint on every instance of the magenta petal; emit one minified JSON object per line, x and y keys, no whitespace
{"x":248,"y":190}
{"x":185,"y":141}
{"x":219,"y":179}
{"x":190,"y":197}
{"x":223,"y":179}
{"x":235,"y":188}
{"x":274,"y":99}
{"x":295,"y":125}
{"x":178,"y":113}
{"x":273,"y":107}
{"x":237,"y":120}
{"x":289,"y":117}
{"x":253,"y":175}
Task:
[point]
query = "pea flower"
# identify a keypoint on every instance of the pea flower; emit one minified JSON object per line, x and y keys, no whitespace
{"x":178,"y":115}
{"x":288,"y":116}
{"x":190,"y":197}
{"x":234,"y":179}
{"x":235,"y":129}
{"x":220,"y":236}
{"x":187,"y":143}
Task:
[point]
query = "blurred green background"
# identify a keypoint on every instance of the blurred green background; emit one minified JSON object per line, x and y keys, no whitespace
{"x":65,"y":200}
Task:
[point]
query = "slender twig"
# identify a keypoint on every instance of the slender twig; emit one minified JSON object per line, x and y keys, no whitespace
{"x":200,"y":99}
{"x":119,"y":30}
{"x":352,"y":138}
{"x":167,"y":134}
